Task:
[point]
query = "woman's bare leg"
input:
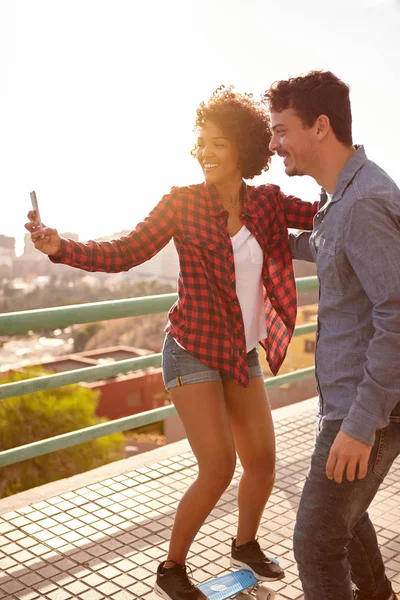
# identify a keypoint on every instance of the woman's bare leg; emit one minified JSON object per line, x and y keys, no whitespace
{"x":253,"y":431}
{"x":202,"y":409}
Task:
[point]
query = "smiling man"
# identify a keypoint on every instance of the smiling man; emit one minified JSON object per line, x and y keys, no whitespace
{"x":356,"y":246}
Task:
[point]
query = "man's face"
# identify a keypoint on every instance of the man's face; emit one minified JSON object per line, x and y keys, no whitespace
{"x":293,"y":141}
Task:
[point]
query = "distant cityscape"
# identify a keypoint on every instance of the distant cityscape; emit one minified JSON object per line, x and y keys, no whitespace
{"x":23,"y":271}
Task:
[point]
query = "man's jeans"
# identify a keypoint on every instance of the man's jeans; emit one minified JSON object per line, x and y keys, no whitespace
{"x":334,"y":540}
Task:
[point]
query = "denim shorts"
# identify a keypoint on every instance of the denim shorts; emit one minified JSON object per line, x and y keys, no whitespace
{"x":180,"y":368}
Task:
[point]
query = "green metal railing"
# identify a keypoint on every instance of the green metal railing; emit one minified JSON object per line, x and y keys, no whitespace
{"x":22,"y":322}
{"x":62,"y":316}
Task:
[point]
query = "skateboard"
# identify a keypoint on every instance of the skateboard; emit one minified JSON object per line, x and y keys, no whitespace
{"x":241,"y":585}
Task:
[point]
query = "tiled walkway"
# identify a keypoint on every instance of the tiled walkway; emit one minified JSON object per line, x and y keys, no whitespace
{"x":101,"y":534}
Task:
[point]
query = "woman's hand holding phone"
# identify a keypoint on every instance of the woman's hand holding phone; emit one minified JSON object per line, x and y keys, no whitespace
{"x":45,"y":239}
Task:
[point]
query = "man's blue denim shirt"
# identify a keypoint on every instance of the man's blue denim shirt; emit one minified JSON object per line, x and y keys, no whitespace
{"x":356,"y":245}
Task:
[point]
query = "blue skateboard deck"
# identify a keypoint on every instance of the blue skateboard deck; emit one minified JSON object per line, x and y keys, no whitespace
{"x":229,"y":585}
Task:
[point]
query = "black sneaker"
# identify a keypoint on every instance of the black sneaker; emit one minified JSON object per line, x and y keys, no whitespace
{"x":250,"y":556}
{"x":174,"y":584}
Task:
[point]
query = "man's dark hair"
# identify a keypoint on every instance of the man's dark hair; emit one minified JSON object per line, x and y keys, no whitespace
{"x":317,"y":93}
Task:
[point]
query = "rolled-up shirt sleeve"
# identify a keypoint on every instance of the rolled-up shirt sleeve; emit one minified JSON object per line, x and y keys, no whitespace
{"x":372,"y":243}
{"x":299,"y":244}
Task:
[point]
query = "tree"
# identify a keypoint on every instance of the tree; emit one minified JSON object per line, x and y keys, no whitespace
{"x":83,"y":335}
{"x":32,"y":417}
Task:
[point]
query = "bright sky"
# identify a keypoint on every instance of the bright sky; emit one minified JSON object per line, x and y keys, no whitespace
{"x":98,"y":97}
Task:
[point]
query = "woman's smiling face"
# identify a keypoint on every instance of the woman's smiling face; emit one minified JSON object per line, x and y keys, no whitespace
{"x":218,"y":155}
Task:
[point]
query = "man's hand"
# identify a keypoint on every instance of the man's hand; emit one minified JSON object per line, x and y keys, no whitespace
{"x":345,"y":456}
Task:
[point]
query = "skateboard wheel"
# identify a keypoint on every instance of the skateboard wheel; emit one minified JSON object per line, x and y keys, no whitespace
{"x":264,"y":593}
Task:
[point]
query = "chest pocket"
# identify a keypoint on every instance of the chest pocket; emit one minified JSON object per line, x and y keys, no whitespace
{"x":203,"y":246}
{"x":198,"y":243}
{"x":327,"y":264}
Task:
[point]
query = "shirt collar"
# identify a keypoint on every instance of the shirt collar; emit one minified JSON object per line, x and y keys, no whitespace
{"x":349,"y":171}
{"x":215,"y":205}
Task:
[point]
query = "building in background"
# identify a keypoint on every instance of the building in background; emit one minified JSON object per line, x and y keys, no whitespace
{"x":32,"y":263}
{"x":300,"y":355}
{"x":7,"y":256}
{"x":122,"y":395}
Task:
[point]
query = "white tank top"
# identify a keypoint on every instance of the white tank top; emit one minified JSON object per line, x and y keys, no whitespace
{"x":248,"y":259}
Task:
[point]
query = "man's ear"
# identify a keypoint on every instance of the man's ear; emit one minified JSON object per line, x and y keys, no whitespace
{"x":322,"y":126}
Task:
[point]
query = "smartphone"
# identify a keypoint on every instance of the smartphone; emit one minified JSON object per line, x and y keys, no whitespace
{"x":35,"y":207}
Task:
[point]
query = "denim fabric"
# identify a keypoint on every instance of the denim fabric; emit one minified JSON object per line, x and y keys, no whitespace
{"x":181,"y":368}
{"x":356,"y":245}
{"x":334,"y":540}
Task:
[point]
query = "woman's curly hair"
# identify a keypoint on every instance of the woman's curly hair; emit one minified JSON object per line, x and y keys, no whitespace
{"x":243,"y":120}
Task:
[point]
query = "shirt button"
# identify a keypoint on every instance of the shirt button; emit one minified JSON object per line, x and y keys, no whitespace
{"x":272,"y":298}
{"x":243,"y":215}
{"x":235,"y":302}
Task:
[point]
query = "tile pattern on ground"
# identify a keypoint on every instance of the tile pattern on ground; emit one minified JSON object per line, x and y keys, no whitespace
{"x":105,"y":540}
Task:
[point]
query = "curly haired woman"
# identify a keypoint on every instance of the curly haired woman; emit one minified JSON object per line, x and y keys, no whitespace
{"x":236,"y":289}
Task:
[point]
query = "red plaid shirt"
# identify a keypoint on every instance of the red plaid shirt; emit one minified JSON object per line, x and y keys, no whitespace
{"x":207,"y":319}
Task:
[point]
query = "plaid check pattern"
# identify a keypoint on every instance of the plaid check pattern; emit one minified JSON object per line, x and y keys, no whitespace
{"x":207,"y":319}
